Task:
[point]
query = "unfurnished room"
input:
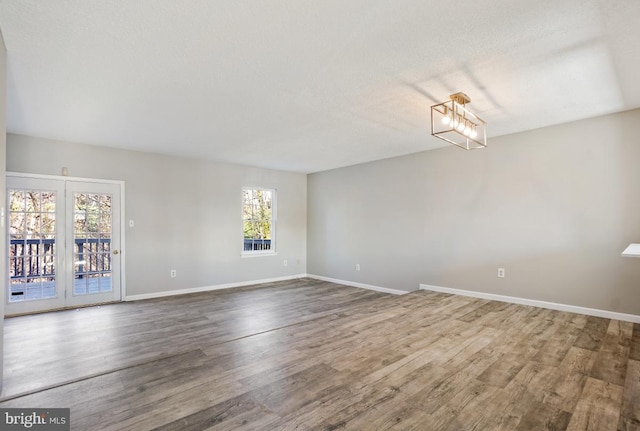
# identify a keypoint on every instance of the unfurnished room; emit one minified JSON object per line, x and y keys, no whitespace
{"x":330,"y":215}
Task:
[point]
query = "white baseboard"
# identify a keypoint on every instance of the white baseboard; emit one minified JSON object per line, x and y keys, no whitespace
{"x":360,"y":285}
{"x":535,"y":303}
{"x":209,"y":288}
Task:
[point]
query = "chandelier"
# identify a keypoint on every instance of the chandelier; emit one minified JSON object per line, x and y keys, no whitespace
{"x":453,"y":122}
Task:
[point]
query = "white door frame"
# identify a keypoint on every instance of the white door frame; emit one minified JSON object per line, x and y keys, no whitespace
{"x":121,"y":184}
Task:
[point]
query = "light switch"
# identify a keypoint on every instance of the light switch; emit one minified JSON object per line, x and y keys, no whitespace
{"x":131,"y":223}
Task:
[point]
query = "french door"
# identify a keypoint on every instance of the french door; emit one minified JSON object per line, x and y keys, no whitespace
{"x":63,"y":243}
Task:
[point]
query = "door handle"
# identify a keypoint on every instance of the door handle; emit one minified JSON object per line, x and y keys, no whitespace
{"x":115,"y":252}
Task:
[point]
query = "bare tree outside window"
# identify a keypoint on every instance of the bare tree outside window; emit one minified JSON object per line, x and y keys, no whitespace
{"x":258,"y":210}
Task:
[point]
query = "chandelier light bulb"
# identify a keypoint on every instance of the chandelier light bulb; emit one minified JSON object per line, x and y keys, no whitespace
{"x":474,"y":133}
{"x":447,"y":116}
{"x":467,"y":130}
{"x":460,"y":126}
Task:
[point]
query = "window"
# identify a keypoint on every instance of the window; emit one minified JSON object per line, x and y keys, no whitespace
{"x":258,"y":220}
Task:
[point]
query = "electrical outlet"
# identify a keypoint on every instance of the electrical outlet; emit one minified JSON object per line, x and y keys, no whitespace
{"x":500,"y":272}
{"x":174,"y":274}
{"x":357,"y":267}
{"x":285,"y":263}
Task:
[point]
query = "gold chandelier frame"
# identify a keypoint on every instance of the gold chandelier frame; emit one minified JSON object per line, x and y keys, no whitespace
{"x":453,"y":122}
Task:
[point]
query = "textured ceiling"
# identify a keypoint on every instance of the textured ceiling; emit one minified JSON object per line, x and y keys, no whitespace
{"x":305,"y":85}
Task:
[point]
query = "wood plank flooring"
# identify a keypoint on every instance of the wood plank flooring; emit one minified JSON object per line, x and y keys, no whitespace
{"x":312,"y":355}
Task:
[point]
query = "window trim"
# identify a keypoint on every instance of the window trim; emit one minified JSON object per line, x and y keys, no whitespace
{"x":274,"y":217}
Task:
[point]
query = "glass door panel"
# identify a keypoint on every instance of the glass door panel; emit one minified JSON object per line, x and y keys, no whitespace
{"x":34,"y":225}
{"x":92,"y":240}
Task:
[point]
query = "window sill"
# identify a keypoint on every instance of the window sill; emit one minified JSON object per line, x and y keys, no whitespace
{"x":258,"y":253}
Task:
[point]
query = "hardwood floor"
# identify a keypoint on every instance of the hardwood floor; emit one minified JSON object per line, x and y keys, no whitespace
{"x":312,"y":355}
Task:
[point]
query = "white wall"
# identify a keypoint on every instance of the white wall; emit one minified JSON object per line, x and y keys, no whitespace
{"x":555,"y":207}
{"x":3,"y":145}
{"x":187,"y":212}
{"x":371,"y":215}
